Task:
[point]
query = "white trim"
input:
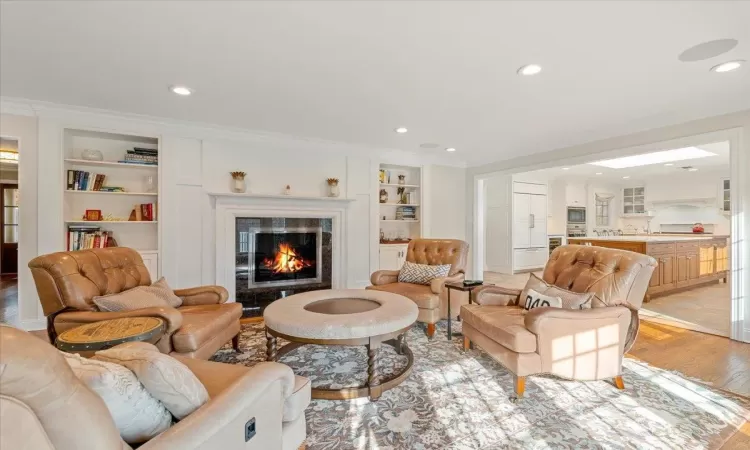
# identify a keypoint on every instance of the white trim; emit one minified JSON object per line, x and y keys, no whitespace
{"x":229,"y":208}
{"x":282,"y":197}
{"x":33,"y":324}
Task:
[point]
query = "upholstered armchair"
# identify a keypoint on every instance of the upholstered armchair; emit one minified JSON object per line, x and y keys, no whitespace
{"x":432,"y":300}
{"x":67,"y":282}
{"x":582,"y":344}
{"x":45,"y":407}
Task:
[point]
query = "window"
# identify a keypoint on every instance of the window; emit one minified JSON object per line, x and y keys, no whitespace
{"x":602,"y":209}
{"x":634,"y":200}
{"x":725,"y":195}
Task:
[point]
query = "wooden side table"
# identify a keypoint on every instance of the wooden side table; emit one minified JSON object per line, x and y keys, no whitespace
{"x":459,"y":286}
{"x":91,"y":337}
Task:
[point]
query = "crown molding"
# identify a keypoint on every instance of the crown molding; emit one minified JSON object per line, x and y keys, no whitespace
{"x":71,"y":114}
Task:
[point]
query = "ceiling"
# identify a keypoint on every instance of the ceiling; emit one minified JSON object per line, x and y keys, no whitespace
{"x":710,"y":164}
{"x":354,"y":71}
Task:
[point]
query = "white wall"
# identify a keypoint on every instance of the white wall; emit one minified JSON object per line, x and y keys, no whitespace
{"x":195,"y":160}
{"x":497,"y":242}
{"x":557,"y":213}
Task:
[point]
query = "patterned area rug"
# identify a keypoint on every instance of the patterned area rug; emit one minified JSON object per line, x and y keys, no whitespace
{"x":457,"y":400}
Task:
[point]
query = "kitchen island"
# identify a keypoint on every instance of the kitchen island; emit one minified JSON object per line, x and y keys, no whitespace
{"x":684,"y":261}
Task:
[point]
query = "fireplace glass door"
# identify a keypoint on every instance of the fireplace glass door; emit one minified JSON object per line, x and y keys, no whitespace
{"x":288,"y":257}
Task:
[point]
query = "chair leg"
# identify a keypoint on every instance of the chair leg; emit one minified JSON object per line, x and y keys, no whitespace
{"x":467,"y":343}
{"x":520,"y":386}
{"x":236,"y":343}
{"x":619,"y":384}
{"x":430,"y":330}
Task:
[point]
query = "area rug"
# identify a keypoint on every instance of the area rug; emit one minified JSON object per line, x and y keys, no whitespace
{"x":461,"y":400}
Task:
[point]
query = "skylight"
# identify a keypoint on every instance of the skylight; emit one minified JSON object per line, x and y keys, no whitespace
{"x":680,"y":154}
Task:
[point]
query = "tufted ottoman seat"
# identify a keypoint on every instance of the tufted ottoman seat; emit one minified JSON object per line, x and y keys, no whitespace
{"x":432,"y":300}
{"x":580,"y":344}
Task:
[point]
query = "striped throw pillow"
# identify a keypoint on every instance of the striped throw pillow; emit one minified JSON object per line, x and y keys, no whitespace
{"x":421,"y":273}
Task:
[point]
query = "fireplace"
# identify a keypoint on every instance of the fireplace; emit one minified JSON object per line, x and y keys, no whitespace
{"x":276,"y":257}
{"x":285,"y":257}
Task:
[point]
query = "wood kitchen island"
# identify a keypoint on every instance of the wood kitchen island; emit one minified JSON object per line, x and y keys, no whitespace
{"x":684,"y":262}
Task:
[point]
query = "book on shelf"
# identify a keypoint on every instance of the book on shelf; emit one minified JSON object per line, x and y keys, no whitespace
{"x":144,"y":212}
{"x":406,"y":213}
{"x":82,"y":237}
{"x":139,"y":155}
{"x":81,"y":180}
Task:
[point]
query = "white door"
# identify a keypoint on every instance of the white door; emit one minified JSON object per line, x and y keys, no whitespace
{"x":521,"y":220}
{"x":538,"y":227}
{"x":392,"y":257}
{"x":151,"y":261}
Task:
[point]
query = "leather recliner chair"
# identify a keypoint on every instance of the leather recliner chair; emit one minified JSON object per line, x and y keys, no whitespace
{"x":67,"y":282}
{"x":45,"y":407}
{"x":432,"y":300}
{"x":583,"y":344}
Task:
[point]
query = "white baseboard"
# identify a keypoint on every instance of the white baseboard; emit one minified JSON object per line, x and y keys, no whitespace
{"x":34,"y":324}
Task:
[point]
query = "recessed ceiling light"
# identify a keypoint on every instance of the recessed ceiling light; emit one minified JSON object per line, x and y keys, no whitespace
{"x":727,"y":66}
{"x":692,"y":169}
{"x":401,"y":130}
{"x":181,"y":90}
{"x":530,"y":69}
{"x":450,"y":149}
{"x":598,"y":173}
{"x":626,"y":177}
{"x":566,"y":168}
{"x":669,"y":164}
{"x":679,"y":154}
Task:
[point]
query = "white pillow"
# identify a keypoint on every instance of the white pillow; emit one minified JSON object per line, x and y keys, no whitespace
{"x":165,"y":378}
{"x":536,"y":300}
{"x":421,"y":273}
{"x":138,"y":415}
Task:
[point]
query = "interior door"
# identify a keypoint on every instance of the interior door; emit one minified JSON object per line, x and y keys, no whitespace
{"x":521,"y":220}
{"x":9,"y":228}
{"x":538,"y":228}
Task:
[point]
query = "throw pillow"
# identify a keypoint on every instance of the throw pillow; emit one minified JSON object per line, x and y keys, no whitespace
{"x":165,"y":378}
{"x":421,"y":273}
{"x":536,"y":300}
{"x":138,"y":415}
{"x":570,"y":300}
{"x":137,"y":298}
{"x":162,"y":290}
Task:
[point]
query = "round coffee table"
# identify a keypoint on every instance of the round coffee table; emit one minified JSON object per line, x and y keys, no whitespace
{"x":108,"y":333}
{"x":351,"y":317}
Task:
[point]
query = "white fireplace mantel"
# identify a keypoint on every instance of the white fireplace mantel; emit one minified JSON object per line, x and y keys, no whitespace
{"x":229,"y":207}
{"x":281,"y":197}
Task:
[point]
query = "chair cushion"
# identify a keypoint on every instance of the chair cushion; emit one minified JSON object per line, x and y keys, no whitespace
{"x":201,"y":322}
{"x":165,"y":378}
{"x":295,"y":404}
{"x":419,"y":294}
{"x":502,"y":324}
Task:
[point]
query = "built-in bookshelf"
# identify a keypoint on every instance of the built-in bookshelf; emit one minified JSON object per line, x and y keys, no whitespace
{"x":400,"y":214}
{"x":124,"y":180}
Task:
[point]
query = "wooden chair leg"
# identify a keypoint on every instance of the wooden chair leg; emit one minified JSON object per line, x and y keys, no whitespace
{"x":619,"y":384}
{"x":467,"y":343}
{"x":430,"y":330}
{"x":520,"y":386}
{"x":236,"y":343}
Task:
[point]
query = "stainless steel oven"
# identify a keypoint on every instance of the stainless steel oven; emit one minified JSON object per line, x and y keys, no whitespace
{"x":576,"y":215}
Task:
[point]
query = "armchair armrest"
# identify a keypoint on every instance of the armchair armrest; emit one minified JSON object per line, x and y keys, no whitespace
{"x":496,"y":295}
{"x":381,"y":277}
{"x":220,"y":423}
{"x":71,"y":319}
{"x":438,"y":284}
{"x":202,"y":295}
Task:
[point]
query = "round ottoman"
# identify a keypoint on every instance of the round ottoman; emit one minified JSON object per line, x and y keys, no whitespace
{"x":343,"y":317}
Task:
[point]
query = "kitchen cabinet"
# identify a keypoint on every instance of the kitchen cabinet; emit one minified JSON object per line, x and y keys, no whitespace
{"x":529,"y":226}
{"x":392,"y":256}
{"x":666,"y":270}
{"x":722,"y":258}
{"x":707,"y":255}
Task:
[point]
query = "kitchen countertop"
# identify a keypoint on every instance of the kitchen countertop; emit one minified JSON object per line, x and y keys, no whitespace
{"x":650,"y":238}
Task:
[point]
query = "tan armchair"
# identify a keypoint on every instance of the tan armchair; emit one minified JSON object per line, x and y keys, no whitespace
{"x":586,"y":344}
{"x":432,"y":300}
{"x":45,"y":407}
{"x":67,"y":282}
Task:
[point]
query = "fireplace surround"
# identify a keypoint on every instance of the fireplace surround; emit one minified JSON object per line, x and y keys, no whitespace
{"x":283,"y":257}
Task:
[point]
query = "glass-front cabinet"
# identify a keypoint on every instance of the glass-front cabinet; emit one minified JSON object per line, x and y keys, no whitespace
{"x":634,"y":200}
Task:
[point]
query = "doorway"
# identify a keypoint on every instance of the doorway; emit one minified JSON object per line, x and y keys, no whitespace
{"x":9,"y":231}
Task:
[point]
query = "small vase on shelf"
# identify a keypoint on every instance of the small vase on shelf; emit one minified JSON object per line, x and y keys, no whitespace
{"x":238,"y":185}
{"x":402,"y":179}
{"x":333,"y":187}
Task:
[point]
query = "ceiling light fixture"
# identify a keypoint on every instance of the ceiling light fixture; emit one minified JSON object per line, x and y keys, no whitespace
{"x":401,"y":130}
{"x":598,"y":173}
{"x":450,"y":149}
{"x":626,"y":177}
{"x":181,"y":90}
{"x":566,"y":168}
{"x":692,"y":169}
{"x":679,"y":154}
{"x":669,"y":164}
{"x":530,"y":69}
{"x":727,"y":66}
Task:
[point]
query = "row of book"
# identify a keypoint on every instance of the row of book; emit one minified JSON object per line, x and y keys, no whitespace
{"x":406,"y":213}
{"x":82,"y":237}
{"x":140,"y":155}
{"x":80,"y":180}
{"x":144,"y":212}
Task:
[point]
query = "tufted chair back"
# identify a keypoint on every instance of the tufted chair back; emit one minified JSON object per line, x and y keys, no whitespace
{"x":70,"y":280}
{"x":616,"y":276}
{"x":439,"y":251}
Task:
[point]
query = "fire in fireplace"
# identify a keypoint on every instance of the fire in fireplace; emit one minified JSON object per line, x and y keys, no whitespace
{"x":285,"y":257}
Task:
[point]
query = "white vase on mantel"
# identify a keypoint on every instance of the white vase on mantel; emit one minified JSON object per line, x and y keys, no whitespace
{"x":238,"y":186}
{"x":333,"y":190}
